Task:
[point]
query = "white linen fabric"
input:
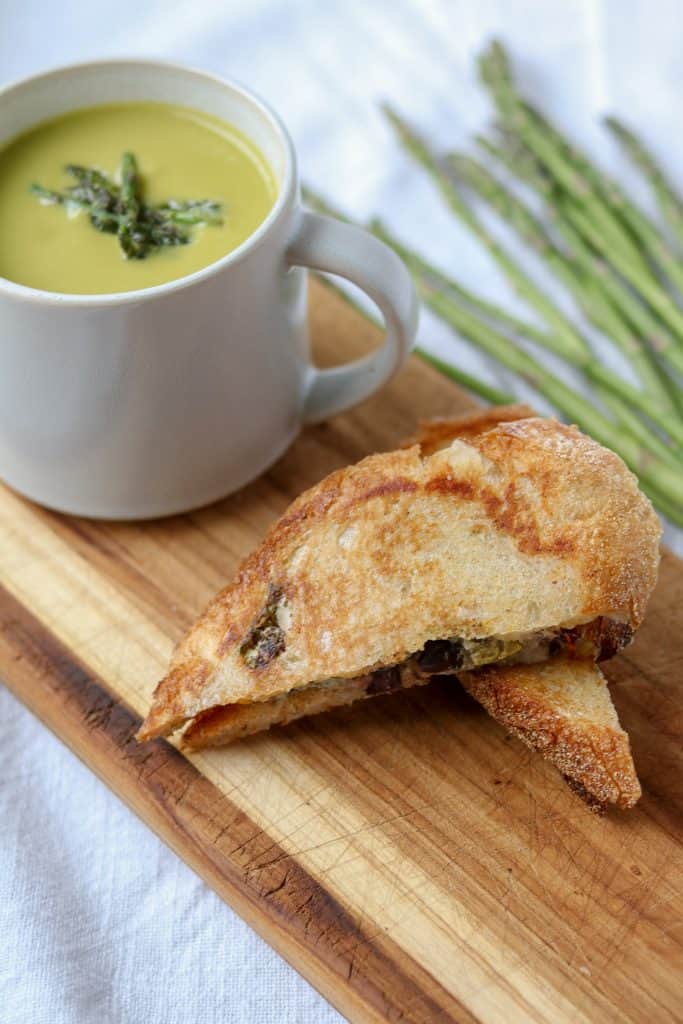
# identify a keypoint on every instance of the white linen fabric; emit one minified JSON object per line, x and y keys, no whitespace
{"x":98,"y":920}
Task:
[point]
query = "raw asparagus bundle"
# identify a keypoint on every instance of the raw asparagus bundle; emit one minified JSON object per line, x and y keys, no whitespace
{"x":624,"y":273}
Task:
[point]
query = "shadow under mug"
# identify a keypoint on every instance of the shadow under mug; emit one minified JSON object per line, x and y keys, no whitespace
{"x":153,"y":402}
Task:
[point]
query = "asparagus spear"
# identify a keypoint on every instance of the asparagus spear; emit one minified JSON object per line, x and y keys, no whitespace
{"x":495,"y":73}
{"x":132,"y":239}
{"x":92,"y":178}
{"x":93,"y":185}
{"x":192,"y":211}
{"x":120,"y":210}
{"x":50,"y":197}
{"x":607,"y":191}
{"x":466,"y":380}
{"x":624,"y":415}
{"x":578,"y":273}
{"x":574,"y":346}
{"x":606,"y":232}
{"x":670,"y":349}
{"x":670,"y":203}
{"x":611,"y":192}
{"x":563,"y":330}
{"x":566,"y":340}
{"x":101,"y":217}
{"x":523,"y":164}
{"x":632,"y":312}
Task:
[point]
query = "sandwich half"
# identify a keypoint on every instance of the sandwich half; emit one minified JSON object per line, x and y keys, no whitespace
{"x":501,"y":539}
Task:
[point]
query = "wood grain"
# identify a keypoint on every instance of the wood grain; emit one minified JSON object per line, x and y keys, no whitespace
{"x":410,"y":859}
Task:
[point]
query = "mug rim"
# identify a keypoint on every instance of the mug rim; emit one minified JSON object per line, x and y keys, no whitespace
{"x":284,"y":197}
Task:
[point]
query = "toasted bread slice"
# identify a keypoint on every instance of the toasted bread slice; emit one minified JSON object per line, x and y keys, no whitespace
{"x":517,"y":527}
{"x":562,"y":709}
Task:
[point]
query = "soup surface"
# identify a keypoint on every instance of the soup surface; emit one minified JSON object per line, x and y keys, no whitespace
{"x":182,"y":154}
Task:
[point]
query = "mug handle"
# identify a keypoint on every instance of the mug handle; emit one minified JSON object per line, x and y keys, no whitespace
{"x":323,"y":243}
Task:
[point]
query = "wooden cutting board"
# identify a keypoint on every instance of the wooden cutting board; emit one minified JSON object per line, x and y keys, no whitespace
{"x":413,"y":861}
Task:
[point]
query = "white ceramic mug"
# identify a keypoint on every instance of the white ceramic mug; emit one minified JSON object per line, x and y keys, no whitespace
{"x":152,"y":402}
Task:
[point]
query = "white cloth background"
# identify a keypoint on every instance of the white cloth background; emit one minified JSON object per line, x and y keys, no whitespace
{"x":98,"y":920}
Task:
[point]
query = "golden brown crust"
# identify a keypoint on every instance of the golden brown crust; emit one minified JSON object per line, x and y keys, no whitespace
{"x":591,"y":802}
{"x":562,"y":709}
{"x":435,"y":434}
{"x":524,"y":524}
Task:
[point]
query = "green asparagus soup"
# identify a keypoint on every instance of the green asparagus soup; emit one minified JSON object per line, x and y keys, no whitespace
{"x":125,"y":196}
